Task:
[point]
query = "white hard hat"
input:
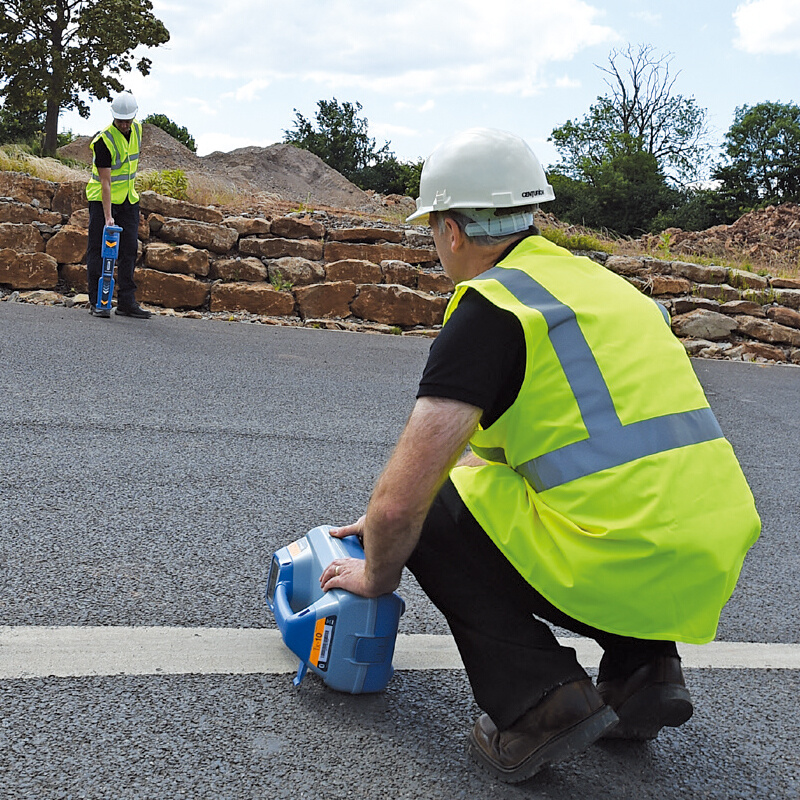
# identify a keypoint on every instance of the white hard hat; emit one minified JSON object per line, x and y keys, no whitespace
{"x":481,"y":168}
{"x":124,"y":106}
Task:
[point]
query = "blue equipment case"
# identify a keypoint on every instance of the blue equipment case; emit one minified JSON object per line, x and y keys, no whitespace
{"x":109,"y":253}
{"x":345,"y":639}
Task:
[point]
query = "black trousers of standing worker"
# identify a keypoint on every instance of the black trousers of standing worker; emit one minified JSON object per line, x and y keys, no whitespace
{"x":512,"y":658}
{"x":126,"y":216}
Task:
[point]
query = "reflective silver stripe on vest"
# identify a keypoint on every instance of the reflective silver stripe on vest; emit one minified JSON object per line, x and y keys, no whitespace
{"x":112,"y":148}
{"x":610,"y":443}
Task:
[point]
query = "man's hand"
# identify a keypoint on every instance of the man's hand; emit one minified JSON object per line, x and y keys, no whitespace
{"x":350,"y":574}
{"x":356,"y":529}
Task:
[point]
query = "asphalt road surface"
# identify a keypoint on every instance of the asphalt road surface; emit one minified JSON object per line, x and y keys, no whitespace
{"x":148,"y":470}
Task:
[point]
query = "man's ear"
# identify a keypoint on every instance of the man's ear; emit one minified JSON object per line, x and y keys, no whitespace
{"x":455,"y":236}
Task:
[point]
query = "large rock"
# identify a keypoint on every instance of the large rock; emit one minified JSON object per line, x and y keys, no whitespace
{"x":658,"y":285}
{"x":153,"y":203}
{"x":698,"y":273}
{"x":434,"y":282}
{"x":169,"y":291}
{"x":355,"y":270}
{"x":746,"y":280}
{"x":24,"y":214}
{"x":28,"y":270}
{"x":789,"y":297}
{"x":625,"y":265}
{"x":683,"y":305}
{"x":216,"y":238}
{"x":182,"y":258}
{"x":22,"y":238}
{"x":748,"y":351}
{"x":68,"y":246}
{"x":336,"y":251}
{"x":249,"y":226}
{"x":398,"y":305}
{"x":80,"y":219}
{"x":238,"y":269}
{"x":74,"y":275}
{"x":69,"y":197}
{"x":703,"y":324}
{"x":721,"y":292}
{"x":785,"y":283}
{"x":768,"y":331}
{"x":257,"y":298}
{"x":784,"y":316}
{"x":280,"y":248}
{"x":325,"y":300}
{"x":297,"y":228}
{"x":742,"y":307}
{"x":399,"y":272}
{"x":297,"y":271}
{"x":365,"y":235}
{"x":26,"y":189}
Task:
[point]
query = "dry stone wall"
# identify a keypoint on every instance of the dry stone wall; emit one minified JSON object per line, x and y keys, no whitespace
{"x":316,"y":269}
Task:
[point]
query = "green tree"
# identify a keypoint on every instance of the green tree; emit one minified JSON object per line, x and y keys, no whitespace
{"x":762,"y":156}
{"x":623,"y":193}
{"x":176,"y":131}
{"x":22,"y":124}
{"x":641,"y":113}
{"x":61,"y":49}
{"x":340,"y":137}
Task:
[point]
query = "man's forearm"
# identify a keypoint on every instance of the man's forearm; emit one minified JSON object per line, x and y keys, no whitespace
{"x":432,"y":440}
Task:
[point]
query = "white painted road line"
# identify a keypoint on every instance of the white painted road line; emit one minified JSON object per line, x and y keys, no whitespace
{"x":34,"y":652}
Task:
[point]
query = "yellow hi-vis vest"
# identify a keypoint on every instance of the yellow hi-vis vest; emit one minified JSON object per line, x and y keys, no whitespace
{"x":124,"y":163}
{"x":610,"y":486}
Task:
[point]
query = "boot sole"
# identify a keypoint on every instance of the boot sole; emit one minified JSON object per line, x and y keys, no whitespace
{"x":570,"y":742}
{"x":652,"y":708}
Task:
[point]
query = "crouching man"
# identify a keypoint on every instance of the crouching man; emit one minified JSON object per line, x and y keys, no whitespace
{"x":599,"y":493}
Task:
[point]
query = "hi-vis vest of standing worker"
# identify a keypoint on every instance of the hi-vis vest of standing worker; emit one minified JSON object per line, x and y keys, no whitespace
{"x":124,"y":163}
{"x":610,"y":486}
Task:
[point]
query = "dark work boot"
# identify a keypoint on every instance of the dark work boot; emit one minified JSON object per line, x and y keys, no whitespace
{"x":654,"y":697}
{"x":134,"y":310}
{"x":565,"y":722}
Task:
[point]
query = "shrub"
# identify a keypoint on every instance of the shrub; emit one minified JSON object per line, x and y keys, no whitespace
{"x":169,"y":182}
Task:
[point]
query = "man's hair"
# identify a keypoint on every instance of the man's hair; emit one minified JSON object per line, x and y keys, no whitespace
{"x":463,"y":217}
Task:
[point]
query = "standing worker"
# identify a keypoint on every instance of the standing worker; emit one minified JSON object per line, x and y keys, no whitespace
{"x":113,"y":201}
{"x":599,"y":494}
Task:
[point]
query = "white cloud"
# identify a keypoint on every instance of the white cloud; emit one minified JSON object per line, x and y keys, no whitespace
{"x":648,"y":17}
{"x":250,"y":91}
{"x":768,"y":26}
{"x":402,"y":105}
{"x":502,"y":47}
{"x":385,"y":132}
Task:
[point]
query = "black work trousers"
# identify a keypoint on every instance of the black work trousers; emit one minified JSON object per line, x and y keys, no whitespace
{"x":126,"y":216}
{"x":512,"y":658}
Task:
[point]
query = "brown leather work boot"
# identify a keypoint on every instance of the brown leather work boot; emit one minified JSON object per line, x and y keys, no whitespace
{"x":654,"y":697}
{"x":565,"y":722}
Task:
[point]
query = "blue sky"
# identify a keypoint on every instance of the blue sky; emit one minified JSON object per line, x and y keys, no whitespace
{"x":234,"y":71}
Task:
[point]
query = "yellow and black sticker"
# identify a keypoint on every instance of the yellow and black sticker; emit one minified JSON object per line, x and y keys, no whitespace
{"x":323,"y":641}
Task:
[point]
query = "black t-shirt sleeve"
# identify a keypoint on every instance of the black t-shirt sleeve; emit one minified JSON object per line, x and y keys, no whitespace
{"x":477,"y":358}
{"x":102,"y":155}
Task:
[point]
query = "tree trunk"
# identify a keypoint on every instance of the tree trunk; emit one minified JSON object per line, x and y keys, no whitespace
{"x":51,"y":128}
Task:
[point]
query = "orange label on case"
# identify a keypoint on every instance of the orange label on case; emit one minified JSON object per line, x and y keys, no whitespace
{"x":319,"y":635}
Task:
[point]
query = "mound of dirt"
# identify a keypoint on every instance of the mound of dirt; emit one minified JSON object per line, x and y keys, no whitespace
{"x":765,"y":235}
{"x":280,"y":170}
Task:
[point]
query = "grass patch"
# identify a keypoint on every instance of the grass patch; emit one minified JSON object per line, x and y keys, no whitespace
{"x":16,"y":158}
{"x":576,"y":241}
